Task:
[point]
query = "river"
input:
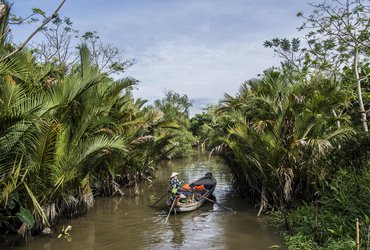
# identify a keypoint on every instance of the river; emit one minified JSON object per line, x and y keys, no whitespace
{"x":129,"y":222}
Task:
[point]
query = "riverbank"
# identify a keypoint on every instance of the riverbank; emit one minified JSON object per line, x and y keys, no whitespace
{"x":330,"y":222}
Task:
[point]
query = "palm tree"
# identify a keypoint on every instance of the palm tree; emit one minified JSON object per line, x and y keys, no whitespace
{"x":273,"y":132}
{"x":63,"y":134}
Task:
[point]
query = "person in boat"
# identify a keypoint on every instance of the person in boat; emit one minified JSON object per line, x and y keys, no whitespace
{"x":175,"y":187}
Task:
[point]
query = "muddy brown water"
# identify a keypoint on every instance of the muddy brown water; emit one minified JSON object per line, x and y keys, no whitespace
{"x":130,"y":223}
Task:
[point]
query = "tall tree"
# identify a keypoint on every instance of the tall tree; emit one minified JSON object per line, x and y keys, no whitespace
{"x":106,"y":56}
{"x":6,"y":8}
{"x":58,"y":45}
{"x":343,"y":26}
{"x":67,"y":134}
{"x":176,"y":107}
{"x":273,"y":133}
{"x":174,"y":104}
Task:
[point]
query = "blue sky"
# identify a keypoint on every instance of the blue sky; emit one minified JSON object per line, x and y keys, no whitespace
{"x":202,"y":48}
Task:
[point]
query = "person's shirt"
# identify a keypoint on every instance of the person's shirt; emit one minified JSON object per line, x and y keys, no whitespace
{"x":175,"y":183}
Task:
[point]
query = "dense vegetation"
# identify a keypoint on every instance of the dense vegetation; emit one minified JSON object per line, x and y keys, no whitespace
{"x":71,"y":132}
{"x":297,"y":138}
{"x":176,"y":107}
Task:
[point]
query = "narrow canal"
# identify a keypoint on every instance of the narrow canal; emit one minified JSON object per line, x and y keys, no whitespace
{"x":129,"y":223}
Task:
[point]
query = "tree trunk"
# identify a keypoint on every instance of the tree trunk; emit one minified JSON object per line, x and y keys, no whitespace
{"x":359,"y":93}
{"x":263,"y":200}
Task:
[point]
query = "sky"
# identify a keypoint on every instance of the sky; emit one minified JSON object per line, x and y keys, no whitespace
{"x":201,"y":48}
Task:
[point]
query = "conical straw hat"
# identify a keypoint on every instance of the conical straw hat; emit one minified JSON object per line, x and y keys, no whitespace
{"x":174,"y":174}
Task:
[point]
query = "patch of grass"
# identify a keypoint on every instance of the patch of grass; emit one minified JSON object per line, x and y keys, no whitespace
{"x":329,"y":223}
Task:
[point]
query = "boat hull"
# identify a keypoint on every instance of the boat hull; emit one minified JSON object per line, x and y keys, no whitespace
{"x":198,"y":198}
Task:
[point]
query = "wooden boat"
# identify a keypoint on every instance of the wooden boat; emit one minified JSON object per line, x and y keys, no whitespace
{"x":195,"y":194}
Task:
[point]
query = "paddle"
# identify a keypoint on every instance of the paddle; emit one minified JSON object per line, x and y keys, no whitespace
{"x":230,"y":209}
{"x":159,"y":199}
{"x":173,"y":203}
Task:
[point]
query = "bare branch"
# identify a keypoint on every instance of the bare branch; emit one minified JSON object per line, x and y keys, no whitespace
{"x":46,"y":21}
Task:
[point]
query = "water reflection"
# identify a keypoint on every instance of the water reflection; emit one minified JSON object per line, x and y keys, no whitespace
{"x":129,"y":222}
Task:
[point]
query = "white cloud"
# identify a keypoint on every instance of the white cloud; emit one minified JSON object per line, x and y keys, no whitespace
{"x":199,"y":70}
{"x":202,"y":48}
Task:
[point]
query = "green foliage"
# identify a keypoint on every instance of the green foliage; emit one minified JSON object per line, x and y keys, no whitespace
{"x":274,"y":133}
{"x":198,"y":122}
{"x":25,"y":216}
{"x":339,"y":40}
{"x":349,"y":193}
{"x":176,"y":107}
{"x":299,"y":241}
{"x":329,"y":222}
{"x":57,"y":46}
{"x":66,"y":136}
{"x":107,"y":57}
{"x":338,"y":46}
{"x":39,"y":12}
{"x":293,"y":141}
{"x":13,"y":200}
{"x":290,"y":51}
{"x":183,"y":142}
